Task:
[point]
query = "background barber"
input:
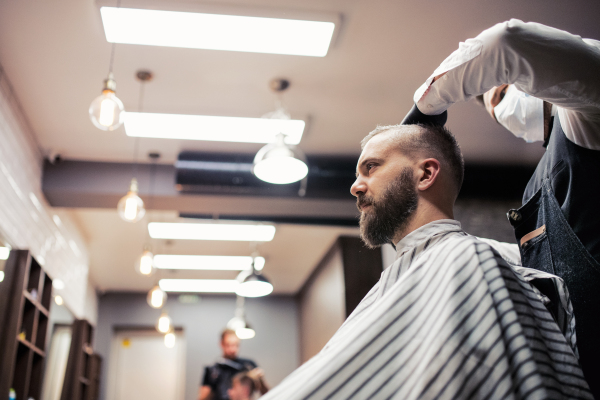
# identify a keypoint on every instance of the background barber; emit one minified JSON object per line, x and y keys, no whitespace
{"x":218,"y":377}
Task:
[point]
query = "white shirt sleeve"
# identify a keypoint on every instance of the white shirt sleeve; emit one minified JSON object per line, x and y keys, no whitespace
{"x":544,"y":62}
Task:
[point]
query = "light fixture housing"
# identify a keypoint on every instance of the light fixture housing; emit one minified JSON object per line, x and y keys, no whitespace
{"x":253,"y":284}
{"x":131,"y":206}
{"x":157,"y":297}
{"x":145,"y":263}
{"x":211,"y":231}
{"x":280,"y":163}
{"x":217,"y":32}
{"x":212,"y":128}
{"x":107,"y":111}
{"x":219,"y":263}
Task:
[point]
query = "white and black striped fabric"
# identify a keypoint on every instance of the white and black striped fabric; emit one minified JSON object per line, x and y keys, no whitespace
{"x":450,"y":319}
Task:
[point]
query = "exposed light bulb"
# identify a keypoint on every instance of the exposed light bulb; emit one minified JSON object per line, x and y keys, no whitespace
{"x":156,"y":297}
{"x":1,"y":276}
{"x":164,"y":323}
{"x":107,"y":111}
{"x":59,"y":300}
{"x":170,"y":340}
{"x":131,"y":207}
{"x":145,"y":263}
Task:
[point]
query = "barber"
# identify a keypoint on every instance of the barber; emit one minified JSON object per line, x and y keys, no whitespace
{"x":543,"y":84}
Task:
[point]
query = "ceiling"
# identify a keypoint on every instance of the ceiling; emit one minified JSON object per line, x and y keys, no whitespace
{"x":56,"y":57}
{"x":114,"y":244}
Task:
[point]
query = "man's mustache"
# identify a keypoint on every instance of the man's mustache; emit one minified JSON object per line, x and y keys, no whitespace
{"x":363,"y":201}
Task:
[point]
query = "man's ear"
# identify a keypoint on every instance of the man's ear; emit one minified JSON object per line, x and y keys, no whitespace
{"x":430,"y":169}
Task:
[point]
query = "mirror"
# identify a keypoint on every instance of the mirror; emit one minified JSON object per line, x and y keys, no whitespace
{"x":59,"y":343}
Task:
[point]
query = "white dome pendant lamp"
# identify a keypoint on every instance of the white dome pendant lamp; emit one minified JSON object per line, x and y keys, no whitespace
{"x":280,"y":163}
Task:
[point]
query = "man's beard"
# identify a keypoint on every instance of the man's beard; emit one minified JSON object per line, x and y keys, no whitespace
{"x":389,"y":215}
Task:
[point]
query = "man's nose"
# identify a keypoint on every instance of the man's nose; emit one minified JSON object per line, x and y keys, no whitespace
{"x":359,"y":186}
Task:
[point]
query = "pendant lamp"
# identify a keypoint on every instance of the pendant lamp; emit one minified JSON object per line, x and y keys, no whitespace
{"x":279,"y":163}
{"x":253,"y":284}
{"x":156,"y":297}
{"x":131,"y":206}
{"x":107,"y":111}
{"x":164,"y":324}
{"x":238,"y":323}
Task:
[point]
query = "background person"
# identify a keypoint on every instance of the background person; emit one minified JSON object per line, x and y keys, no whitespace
{"x":542,"y":84}
{"x":242,"y":387}
{"x":217,"y":378}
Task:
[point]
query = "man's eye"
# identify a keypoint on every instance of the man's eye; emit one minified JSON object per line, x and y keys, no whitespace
{"x":369,"y":166}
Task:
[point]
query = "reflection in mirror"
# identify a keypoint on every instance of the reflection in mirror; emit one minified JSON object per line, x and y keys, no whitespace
{"x":61,"y":320}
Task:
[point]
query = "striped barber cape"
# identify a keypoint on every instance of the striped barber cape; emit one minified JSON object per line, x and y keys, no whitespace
{"x":449,"y":319}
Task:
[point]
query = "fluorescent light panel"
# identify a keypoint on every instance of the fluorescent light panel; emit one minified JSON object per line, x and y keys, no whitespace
{"x":210,"y":128}
{"x":216,"y":32}
{"x":220,"y":263}
{"x":205,"y":231}
{"x":199,"y":285}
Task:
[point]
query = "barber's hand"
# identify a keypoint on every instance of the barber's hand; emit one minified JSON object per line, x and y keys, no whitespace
{"x":256,"y":374}
{"x":493,"y":97}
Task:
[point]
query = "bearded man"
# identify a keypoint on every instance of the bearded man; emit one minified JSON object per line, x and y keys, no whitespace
{"x":450,"y":318}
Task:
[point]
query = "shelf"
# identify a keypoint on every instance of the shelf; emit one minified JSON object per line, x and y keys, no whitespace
{"x":24,"y":320}
{"x":84,"y":381}
{"x":35,"y":302}
{"x":31,"y":346}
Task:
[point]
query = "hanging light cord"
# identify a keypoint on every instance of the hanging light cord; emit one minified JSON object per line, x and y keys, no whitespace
{"x":112,"y":50}
{"x":137,"y":139}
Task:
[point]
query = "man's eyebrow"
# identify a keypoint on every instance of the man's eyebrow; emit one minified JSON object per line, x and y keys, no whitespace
{"x":366,"y":161}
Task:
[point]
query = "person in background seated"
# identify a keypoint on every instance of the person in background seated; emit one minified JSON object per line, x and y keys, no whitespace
{"x":218,"y":377}
{"x":242,"y":387}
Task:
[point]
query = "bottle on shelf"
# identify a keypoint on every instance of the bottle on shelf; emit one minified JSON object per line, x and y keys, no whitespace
{"x":12,"y":395}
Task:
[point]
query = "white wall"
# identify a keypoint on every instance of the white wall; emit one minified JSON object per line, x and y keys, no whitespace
{"x":26,"y":219}
{"x":274,"y":318}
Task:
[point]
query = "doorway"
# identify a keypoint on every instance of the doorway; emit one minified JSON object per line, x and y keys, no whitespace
{"x":142,"y":367}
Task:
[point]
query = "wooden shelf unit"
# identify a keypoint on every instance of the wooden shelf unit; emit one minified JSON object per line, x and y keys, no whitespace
{"x":25,"y":298}
{"x":83,"y":367}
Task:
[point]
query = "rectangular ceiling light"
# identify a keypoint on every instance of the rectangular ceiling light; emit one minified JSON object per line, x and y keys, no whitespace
{"x":216,"y":32}
{"x":199,"y":285}
{"x":211,"y":231}
{"x":221,"y":263}
{"x":220,"y":129}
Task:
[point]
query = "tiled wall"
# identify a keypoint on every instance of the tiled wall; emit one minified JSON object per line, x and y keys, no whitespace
{"x":26,"y":219}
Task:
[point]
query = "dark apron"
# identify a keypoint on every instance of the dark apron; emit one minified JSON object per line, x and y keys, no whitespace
{"x":560,"y":227}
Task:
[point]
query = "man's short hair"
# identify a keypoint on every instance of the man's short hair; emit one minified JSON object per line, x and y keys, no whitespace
{"x":431,"y":141}
{"x":226,"y":332}
{"x":244,"y":380}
